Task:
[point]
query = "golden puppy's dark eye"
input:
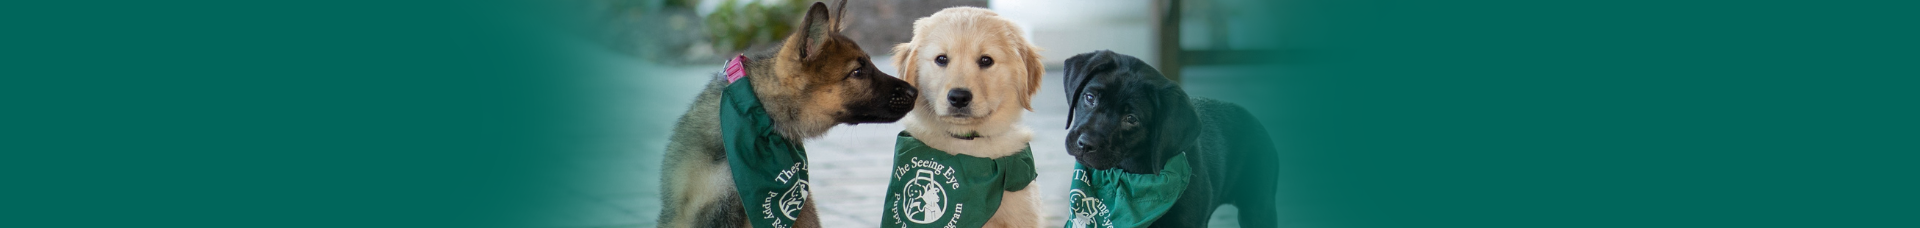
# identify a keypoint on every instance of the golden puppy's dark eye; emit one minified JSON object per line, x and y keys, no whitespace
{"x":940,"y":60}
{"x":986,"y":61}
{"x":856,"y":72}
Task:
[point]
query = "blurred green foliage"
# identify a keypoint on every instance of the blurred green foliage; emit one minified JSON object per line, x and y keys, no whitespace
{"x":735,"y":26}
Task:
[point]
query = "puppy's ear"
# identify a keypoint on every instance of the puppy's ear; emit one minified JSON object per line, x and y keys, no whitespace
{"x":1080,"y":70}
{"x":1035,"y":71}
{"x":839,"y":15}
{"x":1177,"y":125}
{"x":814,"y":31}
{"x":903,"y":58}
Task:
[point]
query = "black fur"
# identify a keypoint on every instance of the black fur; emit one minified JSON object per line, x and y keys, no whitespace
{"x":1231,"y":155}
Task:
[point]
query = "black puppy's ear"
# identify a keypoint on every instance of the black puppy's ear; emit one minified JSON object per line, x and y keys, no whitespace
{"x":814,"y":30}
{"x":1179,"y":122}
{"x":1080,"y":70}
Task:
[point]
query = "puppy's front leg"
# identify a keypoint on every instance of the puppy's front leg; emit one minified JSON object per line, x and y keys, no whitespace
{"x":1018,"y":209}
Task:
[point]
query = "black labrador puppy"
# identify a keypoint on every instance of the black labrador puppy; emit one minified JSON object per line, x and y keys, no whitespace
{"x":1126,"y":115}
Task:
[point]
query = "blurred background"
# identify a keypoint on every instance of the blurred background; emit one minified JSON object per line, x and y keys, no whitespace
{"x":662,"y":51}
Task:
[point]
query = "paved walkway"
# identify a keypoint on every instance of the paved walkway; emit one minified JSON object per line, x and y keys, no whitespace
{"x":849,"y":164}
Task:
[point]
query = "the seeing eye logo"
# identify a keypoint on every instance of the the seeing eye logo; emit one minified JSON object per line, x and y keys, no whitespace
{"x":1086,"y":209}
{"x":923,"y":199}
{"x":794,"y":199}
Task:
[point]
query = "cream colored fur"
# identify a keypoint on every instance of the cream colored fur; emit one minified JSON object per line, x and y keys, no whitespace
{"x":1000,"y":92}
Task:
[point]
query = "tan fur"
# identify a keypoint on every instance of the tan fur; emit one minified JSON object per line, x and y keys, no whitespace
{"x":1018,"y":208}
{"x":805,"y":106}
{"x":1000,"y":91}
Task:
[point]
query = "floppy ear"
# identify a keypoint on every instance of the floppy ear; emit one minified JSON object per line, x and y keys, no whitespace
{"x":814,"y":30}
{"x":1178,"y":124}
{"x":1035,"y":72}
{"x":1080,"y":70}
{"x":903,"y":58}
{"x":839,"y":14}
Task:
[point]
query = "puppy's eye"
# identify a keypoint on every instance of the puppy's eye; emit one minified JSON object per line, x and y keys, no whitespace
{"x":1129,"y":119}
{"x":1089,"y":98}
{"x":850,"y":75}
{"x":940,"y":60}
{"x":986,"y":61}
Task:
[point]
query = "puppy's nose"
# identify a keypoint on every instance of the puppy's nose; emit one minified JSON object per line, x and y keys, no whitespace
{"x":960,"y":97}
{"x":906,"y":92}
{"x":902,"y":100}
{"x":1084,"y":144}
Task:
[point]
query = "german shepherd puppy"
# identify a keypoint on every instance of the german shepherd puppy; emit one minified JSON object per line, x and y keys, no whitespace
{"x":813,"y":81}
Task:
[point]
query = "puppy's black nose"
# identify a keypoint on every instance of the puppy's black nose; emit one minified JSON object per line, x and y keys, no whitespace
{"x":960,"y":97}
{"x":1084,"y":144}
{"x":902,"y":100}
{"x":906,"y":92}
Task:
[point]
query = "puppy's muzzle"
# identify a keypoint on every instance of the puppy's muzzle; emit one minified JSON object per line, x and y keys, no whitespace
{"x":889,"y":100}
{"x":902,"y":100}
{"x":1084,"y":145}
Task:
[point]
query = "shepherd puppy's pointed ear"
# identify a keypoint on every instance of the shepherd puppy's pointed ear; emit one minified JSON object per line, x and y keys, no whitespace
{"x":815,"y":30}
{"x":1080,"y":70}
{"x":839,"y":15}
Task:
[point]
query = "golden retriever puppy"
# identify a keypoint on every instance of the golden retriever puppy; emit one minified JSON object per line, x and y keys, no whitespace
{"x":977,"y":75}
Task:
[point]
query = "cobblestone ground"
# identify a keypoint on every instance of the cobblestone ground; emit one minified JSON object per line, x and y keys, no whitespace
{"x":849,"y":165}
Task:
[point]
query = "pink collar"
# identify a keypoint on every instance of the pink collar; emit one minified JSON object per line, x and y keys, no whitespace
{"x":736,"y":68}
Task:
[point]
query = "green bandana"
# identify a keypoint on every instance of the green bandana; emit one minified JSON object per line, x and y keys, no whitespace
{"x":932,"y":188}
{"x":769,"y":171}
{"x":1114,"y":198}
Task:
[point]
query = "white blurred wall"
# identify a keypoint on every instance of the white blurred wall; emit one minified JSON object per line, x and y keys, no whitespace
{"x":1067,"y":27}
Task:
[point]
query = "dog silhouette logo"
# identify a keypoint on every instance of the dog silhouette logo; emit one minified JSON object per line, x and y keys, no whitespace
{"x":1088,"y":211}
{"x":925,"y":200}
{"x":794,"y":199}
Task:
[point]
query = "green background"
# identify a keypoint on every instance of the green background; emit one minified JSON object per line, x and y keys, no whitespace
{"x":1392,"y":113}
{"x":1602,"y":113}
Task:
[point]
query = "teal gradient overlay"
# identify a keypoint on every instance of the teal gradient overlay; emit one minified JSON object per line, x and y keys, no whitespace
{"x":283,"y":114}
{"x":1388,"y":113}
{"x":1598,"y":113}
